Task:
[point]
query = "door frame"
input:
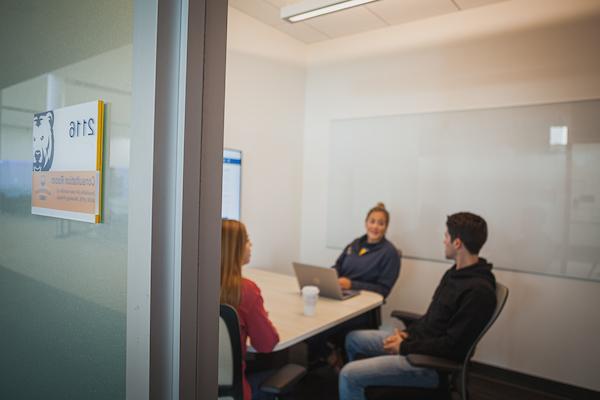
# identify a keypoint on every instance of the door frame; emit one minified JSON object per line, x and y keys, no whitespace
{"x":174,"y":244}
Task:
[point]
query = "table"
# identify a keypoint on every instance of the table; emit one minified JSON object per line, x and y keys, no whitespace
{"x":284,"y":304}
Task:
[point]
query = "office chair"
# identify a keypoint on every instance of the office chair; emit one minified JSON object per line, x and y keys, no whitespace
{"x":449,"y":371}
{"x":230,"y":355}
{"x":230,"y":363}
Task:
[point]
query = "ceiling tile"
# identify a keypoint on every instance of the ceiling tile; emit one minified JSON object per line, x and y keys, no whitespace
{"x":346,"y":22}
{"x":282,"y":3}
{"x":351,"y":21}
{"x":400,"y":11}
{"x":464,"y":4}
{"x":267,"y":11}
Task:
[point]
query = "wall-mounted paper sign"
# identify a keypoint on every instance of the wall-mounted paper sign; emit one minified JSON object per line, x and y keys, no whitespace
{"x":67,"y":162}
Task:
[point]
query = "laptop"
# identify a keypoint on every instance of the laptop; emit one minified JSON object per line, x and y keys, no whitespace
{"x":326,"y":279}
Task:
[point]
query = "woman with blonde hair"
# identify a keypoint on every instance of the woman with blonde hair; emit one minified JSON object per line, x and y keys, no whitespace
{"x":243,"y":294}
{"x":370,"y":262}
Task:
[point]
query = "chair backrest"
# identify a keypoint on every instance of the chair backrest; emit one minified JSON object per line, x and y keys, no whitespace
{"x":501,"y":296}
{"x":230,"y":355}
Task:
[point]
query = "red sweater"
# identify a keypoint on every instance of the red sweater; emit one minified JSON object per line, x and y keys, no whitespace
{"x":254,"y":324}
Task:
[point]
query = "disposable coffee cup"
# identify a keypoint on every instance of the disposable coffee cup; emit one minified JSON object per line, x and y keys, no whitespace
{"x":310,"y":294}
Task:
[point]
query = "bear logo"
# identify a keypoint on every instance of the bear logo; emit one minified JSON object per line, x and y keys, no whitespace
{"x":43,"y":141}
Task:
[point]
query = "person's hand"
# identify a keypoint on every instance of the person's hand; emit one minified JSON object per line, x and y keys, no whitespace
{"x":391,"y":344}
{"x":345,"y":283}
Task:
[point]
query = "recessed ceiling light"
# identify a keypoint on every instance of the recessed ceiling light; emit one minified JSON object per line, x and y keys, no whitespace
{"x":314,"y":8}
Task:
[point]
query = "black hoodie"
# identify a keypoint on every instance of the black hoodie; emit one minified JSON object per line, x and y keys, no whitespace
{"x":461,"y":306}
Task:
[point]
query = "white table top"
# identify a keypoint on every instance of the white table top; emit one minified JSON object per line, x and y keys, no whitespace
{"x":284,"y":304}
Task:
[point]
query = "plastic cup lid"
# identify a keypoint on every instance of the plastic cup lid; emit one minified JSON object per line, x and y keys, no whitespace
{"x":310,"y":290}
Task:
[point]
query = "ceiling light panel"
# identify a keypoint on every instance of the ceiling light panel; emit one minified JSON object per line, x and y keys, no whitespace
{"x":349,"y":22}
{"x":313,"y":8}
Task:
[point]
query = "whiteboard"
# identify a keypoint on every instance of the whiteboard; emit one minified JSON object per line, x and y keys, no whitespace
{"x":533,"y":172}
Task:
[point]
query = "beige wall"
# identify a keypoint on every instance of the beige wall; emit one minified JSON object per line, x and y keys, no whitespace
{"x":264,"y":117}
{"x":513,"y":53}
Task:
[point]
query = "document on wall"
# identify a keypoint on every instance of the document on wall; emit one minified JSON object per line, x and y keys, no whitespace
{"x":67,"y":162}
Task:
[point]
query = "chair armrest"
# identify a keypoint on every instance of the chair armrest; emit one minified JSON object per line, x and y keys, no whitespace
{"x":437,"y":363}
{"x":284,"y":379}
{"x":405,"y":316}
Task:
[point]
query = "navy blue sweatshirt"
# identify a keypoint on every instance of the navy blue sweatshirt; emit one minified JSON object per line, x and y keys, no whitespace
{"x":370,"y":266}
{"x":461,"y":306}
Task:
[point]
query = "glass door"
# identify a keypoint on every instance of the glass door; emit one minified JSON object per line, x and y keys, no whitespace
{"x":128,"y":307}
{"x":63,"y":282}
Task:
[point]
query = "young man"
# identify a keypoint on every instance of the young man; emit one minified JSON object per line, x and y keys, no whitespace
{"x":461,"y":306}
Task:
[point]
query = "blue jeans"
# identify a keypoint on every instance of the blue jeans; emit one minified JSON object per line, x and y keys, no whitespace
{"x":380,"y":369}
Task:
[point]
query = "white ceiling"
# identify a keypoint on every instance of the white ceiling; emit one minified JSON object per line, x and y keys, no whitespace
{"x":376,"y":15}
